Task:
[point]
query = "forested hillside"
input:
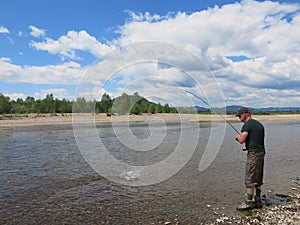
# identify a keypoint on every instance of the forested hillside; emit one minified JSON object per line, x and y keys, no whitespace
{"x":124,"y":104}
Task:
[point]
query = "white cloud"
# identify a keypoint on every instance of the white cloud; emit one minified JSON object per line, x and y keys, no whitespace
{"x":235,"y":29}
{"x":265,"y":32}
{"x":15,"y":96}
{"x":67,"y":45}
{"x":152,"y":68}
{"x":59,"y":93}
{"x":140,"y":17}
{"x":92,"y":93}
{"x":36,"y":32}
{"x":66,"y":73}
{"x":4,"y":30}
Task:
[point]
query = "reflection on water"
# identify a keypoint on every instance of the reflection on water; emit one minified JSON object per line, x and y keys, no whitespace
{"x":45,"y":180}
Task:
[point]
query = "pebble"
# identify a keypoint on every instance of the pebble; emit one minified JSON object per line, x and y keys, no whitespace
{"x":287,"y":213}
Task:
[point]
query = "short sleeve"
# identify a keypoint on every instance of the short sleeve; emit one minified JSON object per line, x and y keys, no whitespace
{"x":245,"y":127}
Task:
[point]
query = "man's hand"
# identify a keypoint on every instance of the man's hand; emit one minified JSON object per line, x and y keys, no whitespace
{"x":241,"y":138}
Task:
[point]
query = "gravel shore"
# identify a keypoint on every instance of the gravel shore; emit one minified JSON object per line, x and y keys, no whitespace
{"x":287,"y":213}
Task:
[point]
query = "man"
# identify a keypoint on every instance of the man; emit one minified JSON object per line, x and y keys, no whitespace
{"x":252,"y":134}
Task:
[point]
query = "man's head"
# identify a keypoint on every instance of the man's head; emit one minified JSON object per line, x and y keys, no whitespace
{"x":243,"y":114}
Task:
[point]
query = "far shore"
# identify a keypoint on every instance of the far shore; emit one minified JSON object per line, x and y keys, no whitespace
{"x":27,"y":120}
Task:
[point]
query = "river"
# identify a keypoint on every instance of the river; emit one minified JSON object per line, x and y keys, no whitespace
{"x":46,"y":180}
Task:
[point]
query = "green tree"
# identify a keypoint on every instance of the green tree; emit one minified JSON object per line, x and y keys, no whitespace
{"x":136,"y":98}
{"x":158,"y":108}
{"x":151,"y":108}
{"x":5,"y":104}
{"x":173,"y":110}
{"x":65,"y":106}
{"x":29,"y":104}
{"x":18,"y":106}
{"x":136,"y":109}
{"x":166,"y":108}
{"x":48,"y":103}
{"x":39,"y":106}
{"x":80,"y":105}
{"x":121,"y":104}
{"x":106,"y":103}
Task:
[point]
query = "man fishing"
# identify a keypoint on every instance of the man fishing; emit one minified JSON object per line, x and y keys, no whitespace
{"x":252,"y":134}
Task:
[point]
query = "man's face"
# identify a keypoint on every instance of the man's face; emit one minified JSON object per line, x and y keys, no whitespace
{"x":242,"y":117}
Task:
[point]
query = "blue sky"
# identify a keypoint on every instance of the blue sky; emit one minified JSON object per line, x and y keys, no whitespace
{"x":250,"y":50}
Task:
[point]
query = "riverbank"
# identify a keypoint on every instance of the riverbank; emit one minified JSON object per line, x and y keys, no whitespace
{"x":11,"y":121}
{"x":285,"y":213}
{"x":280,"y":213}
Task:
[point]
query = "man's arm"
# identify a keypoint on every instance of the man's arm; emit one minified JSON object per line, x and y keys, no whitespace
{"x":242,"y":137}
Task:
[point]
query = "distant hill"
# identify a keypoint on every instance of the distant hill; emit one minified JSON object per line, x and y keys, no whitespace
{"x":266,"y":109}
{"x":281,"y":109}
{"x":233,"y":107}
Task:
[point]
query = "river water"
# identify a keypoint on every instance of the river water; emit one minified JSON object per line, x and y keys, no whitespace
{"x":45,"y":179}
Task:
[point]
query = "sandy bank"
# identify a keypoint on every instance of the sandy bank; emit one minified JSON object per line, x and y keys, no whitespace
{"x":12,"y":121}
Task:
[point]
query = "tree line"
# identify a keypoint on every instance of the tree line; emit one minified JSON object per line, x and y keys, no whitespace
{"x":124,"y":104}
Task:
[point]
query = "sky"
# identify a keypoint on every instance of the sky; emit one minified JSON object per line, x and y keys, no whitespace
{"x":226,"y":52}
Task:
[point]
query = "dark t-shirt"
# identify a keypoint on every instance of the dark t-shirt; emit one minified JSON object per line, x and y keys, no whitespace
{"x":256,"y":135}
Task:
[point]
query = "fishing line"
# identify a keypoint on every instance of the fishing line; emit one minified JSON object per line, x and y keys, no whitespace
{"x":206,"y":103}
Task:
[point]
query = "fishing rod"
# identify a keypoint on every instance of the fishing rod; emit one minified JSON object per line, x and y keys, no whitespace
{"x":206,"y":103}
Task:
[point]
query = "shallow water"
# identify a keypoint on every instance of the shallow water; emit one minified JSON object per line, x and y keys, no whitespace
{"x":45,"y":180}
